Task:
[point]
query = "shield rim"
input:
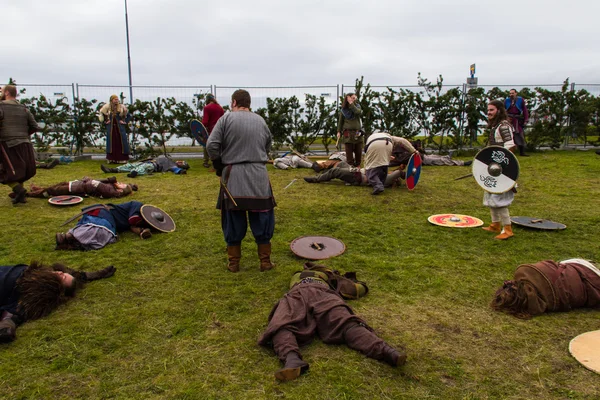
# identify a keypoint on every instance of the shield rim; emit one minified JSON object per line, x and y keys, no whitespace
{"x":475,"y":160}
{"x":480,"y":221}
{"x":319,"y":236}
{"x":78,"y":198}
{"x":560,"y":227}
{"x":158,"y":229}
{"x":196,"y":135}
{"x":585,"y":363}
{"x":417,"y":174}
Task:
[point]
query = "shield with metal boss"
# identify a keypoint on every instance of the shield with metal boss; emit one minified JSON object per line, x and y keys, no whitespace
{"x":496,"y":169}
{"x":317,"y":247}
{"x":157,"y":218}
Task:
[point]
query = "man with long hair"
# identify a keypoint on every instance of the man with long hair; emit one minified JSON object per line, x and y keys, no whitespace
{"x":501,"y":134}
{"x":115,"y":116}
{"x":211,"y":114}
{"x":29,"y":292}
{"x":548,"y":286}
{"x":239,"y":147}
{"x":350,"y":126}
{"x":17,"y":158}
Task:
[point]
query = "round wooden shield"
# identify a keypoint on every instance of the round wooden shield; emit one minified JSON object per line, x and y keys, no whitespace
{"x":537,"y":223}
{"x":317,"y":247}
{"x":413,"y":170}
{"x":199,"y":132}
{"x":586,"y":349}
{"x":455,"y":220}
{"x":157,"y":218}
{"x":66,"y":200}
{"x":495,"y":169}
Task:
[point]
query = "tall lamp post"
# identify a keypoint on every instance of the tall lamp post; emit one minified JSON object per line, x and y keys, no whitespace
{"x":128,"y":55}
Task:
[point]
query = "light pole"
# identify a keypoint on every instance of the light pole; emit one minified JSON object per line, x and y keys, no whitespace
{"x":128,"y":55}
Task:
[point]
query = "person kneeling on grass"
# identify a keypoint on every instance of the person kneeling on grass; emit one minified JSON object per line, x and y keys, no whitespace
{"x":100,"y":224}
{"x":29,"y":292}
{"x":315,"y":305}
{"x":548,"y":286}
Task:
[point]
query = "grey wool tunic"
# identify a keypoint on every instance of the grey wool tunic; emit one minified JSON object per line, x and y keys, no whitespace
{"x":242,"y":140}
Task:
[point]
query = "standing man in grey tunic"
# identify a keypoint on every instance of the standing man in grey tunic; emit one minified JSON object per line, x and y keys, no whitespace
{"x":239,"y":147}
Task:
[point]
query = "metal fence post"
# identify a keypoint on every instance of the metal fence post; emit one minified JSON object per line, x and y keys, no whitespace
{"x":75,"y":118}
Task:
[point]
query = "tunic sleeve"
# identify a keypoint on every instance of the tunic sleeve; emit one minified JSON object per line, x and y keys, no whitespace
{"x":404,"y":143}
{"x":214,"y":142}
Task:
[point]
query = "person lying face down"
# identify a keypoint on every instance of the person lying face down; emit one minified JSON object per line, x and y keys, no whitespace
{"x":103,"y":188}
{"x":315,"y":305}
{"x":29,"y":292}
{"x":548,"y":286}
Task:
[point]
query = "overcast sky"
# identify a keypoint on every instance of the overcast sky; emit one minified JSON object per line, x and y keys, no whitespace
{"x":291,"y":42}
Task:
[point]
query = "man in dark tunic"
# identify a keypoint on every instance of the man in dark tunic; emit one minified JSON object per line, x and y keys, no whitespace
{"x":239,"y":147}
{"x":17,"y":158}
{"x":29,"y":292}
{"x":315,"y":306}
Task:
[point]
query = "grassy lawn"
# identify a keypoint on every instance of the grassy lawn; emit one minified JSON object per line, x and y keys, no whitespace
{"x":173,"y":323}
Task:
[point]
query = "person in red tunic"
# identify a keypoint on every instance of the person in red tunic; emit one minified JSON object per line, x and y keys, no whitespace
{"x":212,"y":112}
{"x":115,"y":116}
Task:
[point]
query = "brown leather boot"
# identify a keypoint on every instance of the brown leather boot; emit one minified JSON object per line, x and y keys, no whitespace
{"x":293,"y":368}
{"x":494,"y":227}
{"x":394,"y":357}
{"x":234,"y":254}
{"x":506,"y":233}
{"x":20,"y":194}
{"x":264,"y":253}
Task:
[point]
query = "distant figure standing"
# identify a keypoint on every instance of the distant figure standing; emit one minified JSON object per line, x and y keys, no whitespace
{"x":239,"y":147}
{"x":212,"y":112}
{"x":349,"y":125}
{"x":17,"y":158}
{"x":115,"y":116}
{"x":518,"y":116}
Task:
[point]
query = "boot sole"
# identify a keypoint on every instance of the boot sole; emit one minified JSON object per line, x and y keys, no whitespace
{"x":289,"y":374}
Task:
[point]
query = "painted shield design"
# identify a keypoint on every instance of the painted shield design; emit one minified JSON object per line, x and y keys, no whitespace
{"x":66,"y":200}
{"x":495,"y":169}
{"x":455,"y":220}
{"x":199,"y":132}
{"x":157,"y":218}
{"x":413,"y":171}
{"x":317,"y":247}
{"x":586,"y":349}
{"x":537,"y":223}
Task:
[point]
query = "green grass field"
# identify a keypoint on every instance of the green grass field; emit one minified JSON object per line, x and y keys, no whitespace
{"x":173,"y":323}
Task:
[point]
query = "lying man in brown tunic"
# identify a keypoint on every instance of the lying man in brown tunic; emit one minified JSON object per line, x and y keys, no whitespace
{"x":315,"y":305}
{"x":105,"y":188}
{"x":548,"y":286}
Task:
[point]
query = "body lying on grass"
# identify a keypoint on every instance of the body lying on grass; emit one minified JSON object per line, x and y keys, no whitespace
{"x":315,"y":305}
{"x":103,"y":188}
{"x":29,"y":292}
{"x":149,"y":166}
{"x":100,"y":224}
{"x":354,"y":176}
{"x":548,"y":286}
